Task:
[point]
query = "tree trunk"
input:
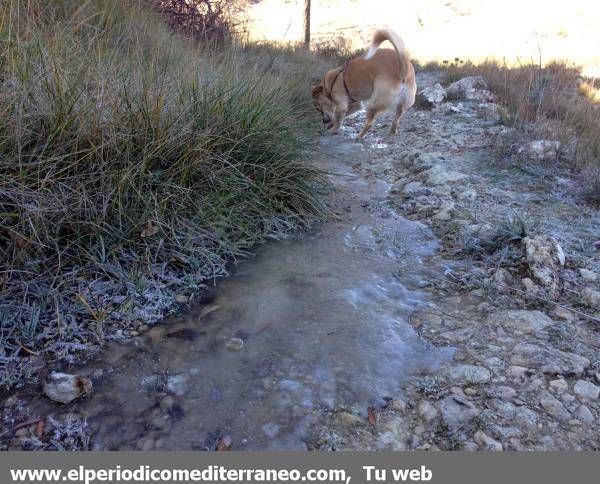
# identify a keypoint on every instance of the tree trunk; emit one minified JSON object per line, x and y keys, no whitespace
{"x":307,"y":24}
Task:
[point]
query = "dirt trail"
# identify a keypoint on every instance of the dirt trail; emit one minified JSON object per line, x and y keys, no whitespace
{"x":444,"y":342}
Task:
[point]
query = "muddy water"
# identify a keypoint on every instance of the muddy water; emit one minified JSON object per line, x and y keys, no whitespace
{"x":307,"y":325}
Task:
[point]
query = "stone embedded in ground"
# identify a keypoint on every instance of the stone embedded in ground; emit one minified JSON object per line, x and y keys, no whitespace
{"x":413,"y":188}
{"x":465,"y":88}
{"x":234,"y":344}
{"x":438,"y":175}
{"x":584,"y":414}
{"x":520,"y":320}
{"x":558,"y":386}
{"x":444,"y":212}
{"x":541,"y":150}
{"x":526,"y":418}
{"x":490,"y":111}
{"x":486,"y":442}
{"x":457,"y":411}
{"x":586,"y":389}
{"x":554,"y":407}
{"x":587,"y":275}
{"x":467,"y":196}
{"x":590,"y":297}
{"x":470,"y":374}
{"x":177,"y":384}
{"x":432,"y":95}
{"x":549,"y":360}
{"x":347,"y":419}
{"x":64,"y":388}
{"x":427,"y":411}
{"x":545,"y":258}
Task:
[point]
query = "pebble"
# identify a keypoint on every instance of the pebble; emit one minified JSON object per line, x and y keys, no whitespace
{"x":469,"y":374}
{"x":167,"y":403}
{"x":584,"y":414}
{"x":559,"y":386}
{"x":234,"y":344}
{"x":486,"y":442}
{"x":586,"y":389}
{"x":590,"y":297}
{"x":427,"y":411}
{"x":457,"y":411}
{"x":587,"y":275}
{"x":554,"y":407}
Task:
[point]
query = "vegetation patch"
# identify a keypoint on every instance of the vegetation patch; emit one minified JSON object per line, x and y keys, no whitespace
{"x":133,"y":167}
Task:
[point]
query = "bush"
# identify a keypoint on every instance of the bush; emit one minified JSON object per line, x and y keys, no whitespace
{"x":127,"y":158}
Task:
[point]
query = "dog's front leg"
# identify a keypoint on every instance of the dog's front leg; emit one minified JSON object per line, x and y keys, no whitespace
{"x":340,"y":113}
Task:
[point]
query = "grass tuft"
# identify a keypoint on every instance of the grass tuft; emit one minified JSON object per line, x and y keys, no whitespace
{"x":131,"y":164}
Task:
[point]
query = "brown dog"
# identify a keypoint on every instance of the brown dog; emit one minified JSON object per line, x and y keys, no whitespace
{"x":384,"y":77}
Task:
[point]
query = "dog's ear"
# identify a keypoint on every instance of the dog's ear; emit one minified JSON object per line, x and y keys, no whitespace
{"x":317,"y":89}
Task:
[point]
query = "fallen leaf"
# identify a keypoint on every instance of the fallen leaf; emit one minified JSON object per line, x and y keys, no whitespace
{"x":39,"y":428}
{"x":224,"y":443}
{"x":182,"y":298}
{"x":149,"y":230}
{"x":372,"y":416}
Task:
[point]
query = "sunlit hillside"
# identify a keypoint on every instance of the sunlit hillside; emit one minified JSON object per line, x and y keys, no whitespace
{"x":514,"y":30}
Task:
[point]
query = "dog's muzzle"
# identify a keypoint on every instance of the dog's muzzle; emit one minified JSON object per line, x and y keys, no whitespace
{"x":327,"y":121}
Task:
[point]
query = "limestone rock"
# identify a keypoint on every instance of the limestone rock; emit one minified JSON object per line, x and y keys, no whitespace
{"x":586,"y":389}
{"x":469,"y":374}
{"x":541,"y":150}
{"x":457,"y":411}
{"x":549,"y":360}
{"x":432,"y":95}
{"x":545,"y":257}
{"x":521,"y":321}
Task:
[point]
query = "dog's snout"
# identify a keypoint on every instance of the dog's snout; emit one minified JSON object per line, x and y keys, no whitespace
{"x":326,"y":119}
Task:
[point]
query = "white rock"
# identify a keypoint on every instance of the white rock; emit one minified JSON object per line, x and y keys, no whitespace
{"x":177,"y":384}
{"x":413,"y":188}
{"x":486,"y":442}
{"x":427,"y":411}
{"x":541,"y":150}
{"x":444,"y":211}
{"x":559,"y":386}
{"x":64,"y":388}
{"x":584,"y":414}
{"x":554,"y":407}
{"x":466,"y":87}
{"x":545,"y":257}
{"x":587,"y":275}
{"x":590,"y":297}
{"x":467,"y":196}
{"x":433,"y":95}
{"x":526,"y":418}
{"x":469,"y":374}
{"x":456,"y":411}
{"x":549,"y":360}
{"x":586,"y":389}
{"x":438,"y":175}
{"x":521,"y":321}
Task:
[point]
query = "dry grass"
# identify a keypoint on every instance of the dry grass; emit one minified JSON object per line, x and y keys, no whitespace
{"x":554,"y":99}
{"x":134,"y":165}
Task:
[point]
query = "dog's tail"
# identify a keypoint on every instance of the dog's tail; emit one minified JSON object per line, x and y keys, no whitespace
{"x":387,"y":34}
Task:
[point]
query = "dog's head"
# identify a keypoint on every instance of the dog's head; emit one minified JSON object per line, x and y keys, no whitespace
{"x":323,"y":104}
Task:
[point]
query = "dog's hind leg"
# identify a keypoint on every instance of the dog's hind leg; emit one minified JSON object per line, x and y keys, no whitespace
{"x":399,"y":112}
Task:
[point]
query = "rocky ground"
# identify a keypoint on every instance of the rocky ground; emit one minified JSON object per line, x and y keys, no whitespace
{"x":523,"y":310}
{"x":520,"y":299}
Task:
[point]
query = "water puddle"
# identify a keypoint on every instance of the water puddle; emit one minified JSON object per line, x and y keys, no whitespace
{"x":307,"y":325}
